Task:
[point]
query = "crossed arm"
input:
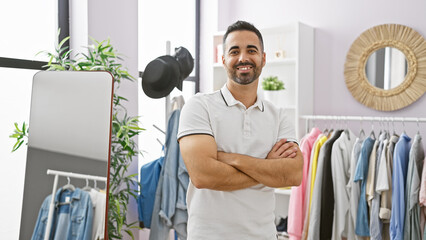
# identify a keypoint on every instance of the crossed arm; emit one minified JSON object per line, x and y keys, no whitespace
{"x":222,"y":171}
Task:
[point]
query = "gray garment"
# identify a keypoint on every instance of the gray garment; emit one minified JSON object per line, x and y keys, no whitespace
{"x":340,"y":171}
{"x":354,"y":189}
{"x":375,"y":222}
{"x":412,"y":228}
{"x":315,"y":214}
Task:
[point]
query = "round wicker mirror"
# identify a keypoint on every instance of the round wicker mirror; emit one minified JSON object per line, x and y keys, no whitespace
{"x":406,"y":40}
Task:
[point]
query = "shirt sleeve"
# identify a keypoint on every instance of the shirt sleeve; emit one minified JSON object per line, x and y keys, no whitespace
{"x":286,"y":129}
{"x":194,"y":118}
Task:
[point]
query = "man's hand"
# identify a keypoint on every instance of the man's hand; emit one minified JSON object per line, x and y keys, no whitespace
{"x":282,"y":169}
{"x":283,"y":149}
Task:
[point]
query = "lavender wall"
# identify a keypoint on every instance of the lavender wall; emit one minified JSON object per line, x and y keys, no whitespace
{"x":337,"y":24}
{"x":118,"y":20}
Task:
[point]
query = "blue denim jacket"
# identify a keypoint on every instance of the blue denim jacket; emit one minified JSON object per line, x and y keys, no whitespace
{"x":149,"y":175}
{"x":80,"y":217}
{"x":170,"y":197}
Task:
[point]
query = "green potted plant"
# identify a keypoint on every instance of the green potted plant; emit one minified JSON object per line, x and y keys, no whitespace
{"x":273,"y":90}
{"x":103,"y":57}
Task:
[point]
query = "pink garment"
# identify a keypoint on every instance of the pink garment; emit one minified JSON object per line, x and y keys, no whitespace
{"x":297,"y":206}
{"x":422,"y":198}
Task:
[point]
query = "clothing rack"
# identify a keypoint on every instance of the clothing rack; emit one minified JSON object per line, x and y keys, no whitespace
{"x":55,"y":186}
{"x":359,"y":118}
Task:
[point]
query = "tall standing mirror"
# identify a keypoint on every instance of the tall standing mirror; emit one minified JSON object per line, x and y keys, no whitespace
{"x":386,"y":66}
{"x":68,"y":156}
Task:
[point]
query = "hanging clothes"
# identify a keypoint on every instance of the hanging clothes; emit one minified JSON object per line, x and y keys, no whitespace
{"x":340,"y":171}
{"x":99,"y":207}
{"x":70,"y":221}
{"x":311,"y":180}
{"x":170,"y":197}
{"x":384,"y":186}
{"x":316,"y":215}
{"x":400,"y":164}
{"x":412,"y":229}
{"x":381,"y":171}
{"x":375,"y":222}
{"x":327,"y":192}
{"x":149,"y":175}
{"x":354,"y":188}
{"x":422,"y":200}
{"x":298,"y":204}
{"x":361,"y":172}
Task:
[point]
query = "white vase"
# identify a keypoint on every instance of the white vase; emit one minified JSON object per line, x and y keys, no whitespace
{"x":277,"y":97}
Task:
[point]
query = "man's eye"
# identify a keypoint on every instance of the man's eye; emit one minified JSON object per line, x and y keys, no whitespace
{"x":252,"y":51}
{"x":233,"y":52}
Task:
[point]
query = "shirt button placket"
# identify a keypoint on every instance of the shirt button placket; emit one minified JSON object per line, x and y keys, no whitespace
{"x":247,"y":130}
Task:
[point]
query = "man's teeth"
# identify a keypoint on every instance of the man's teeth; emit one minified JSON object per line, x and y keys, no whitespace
{"x":244,"y":68}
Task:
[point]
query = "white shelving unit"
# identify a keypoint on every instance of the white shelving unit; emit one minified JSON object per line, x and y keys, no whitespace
{"x":296,"y":69}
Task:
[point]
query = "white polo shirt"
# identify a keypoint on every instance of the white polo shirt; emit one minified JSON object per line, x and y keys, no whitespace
{"x":241,"y":214}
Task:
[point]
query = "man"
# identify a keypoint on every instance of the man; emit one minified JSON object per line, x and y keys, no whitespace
{"x":237,"y":148}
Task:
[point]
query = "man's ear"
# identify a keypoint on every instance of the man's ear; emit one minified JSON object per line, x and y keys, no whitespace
{"x":223,"y":59}
{"x":264,"y":58}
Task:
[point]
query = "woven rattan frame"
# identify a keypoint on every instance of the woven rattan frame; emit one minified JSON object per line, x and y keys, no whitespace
{"x":408,"y":41}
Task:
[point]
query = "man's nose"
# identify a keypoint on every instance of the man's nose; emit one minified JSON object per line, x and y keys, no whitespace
{"x":243,"y":57}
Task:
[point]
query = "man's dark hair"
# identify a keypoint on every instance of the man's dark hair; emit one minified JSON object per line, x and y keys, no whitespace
{"x":243,"y":26}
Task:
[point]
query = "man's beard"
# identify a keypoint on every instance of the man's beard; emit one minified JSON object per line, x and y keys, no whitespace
{"x":245,"y":78}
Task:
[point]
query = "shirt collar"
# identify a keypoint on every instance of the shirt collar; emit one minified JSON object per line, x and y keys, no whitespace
{"x":75,"y":195}
{"x":231,"y":101}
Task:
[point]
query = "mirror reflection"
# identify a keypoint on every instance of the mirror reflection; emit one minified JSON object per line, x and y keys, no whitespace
{"x":68,"y":156}
{"x":386,"y":68}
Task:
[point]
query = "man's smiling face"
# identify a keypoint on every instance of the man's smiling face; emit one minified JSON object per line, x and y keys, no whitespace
{"x":243,"y":57}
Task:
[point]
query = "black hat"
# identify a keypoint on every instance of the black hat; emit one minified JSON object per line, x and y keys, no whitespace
{"x":167,"y":72}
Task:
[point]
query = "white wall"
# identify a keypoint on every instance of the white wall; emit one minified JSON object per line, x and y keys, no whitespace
{"x":337,"y":24}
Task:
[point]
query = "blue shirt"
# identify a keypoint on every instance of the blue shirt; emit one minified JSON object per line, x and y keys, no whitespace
{"x":399,"y":176}
{"x":170,"y":197}
{"x":149,"y":175}
{"x":80,"y":212}
{"x":361,"y":172}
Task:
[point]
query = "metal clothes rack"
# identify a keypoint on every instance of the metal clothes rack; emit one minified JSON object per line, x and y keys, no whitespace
{"x":55,"y":186}
{"x":359,"y":118}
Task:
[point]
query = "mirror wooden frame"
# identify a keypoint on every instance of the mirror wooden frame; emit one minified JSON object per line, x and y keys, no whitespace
{"x":408,"y":41}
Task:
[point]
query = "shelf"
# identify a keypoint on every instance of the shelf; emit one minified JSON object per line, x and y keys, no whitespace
{"x":281,"y":61}
{"x":283,"y":191}
{"x":217,"y":65}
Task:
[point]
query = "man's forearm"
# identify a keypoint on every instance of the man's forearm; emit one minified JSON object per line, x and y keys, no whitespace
{"x":281,"y":172}
{"x":227,"y":178}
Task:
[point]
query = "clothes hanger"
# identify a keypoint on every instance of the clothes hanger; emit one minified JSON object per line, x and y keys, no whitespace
{"x":372,"y":135}
{"x":68,"y":186}
{"x":418,"y":127}
{"x":403,"y":127}
{"x":347,"y":129}
{"x":361,"y":132}
{"x":325,"y":132}
{"x":87,"y":188}
{"x":96,"y":185}
{"x":159,"y":129}
{"x":393,"y":128}
{"x":387,"y":130}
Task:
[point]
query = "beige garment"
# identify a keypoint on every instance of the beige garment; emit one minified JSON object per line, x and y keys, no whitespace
{"x":371,"y":174}
{"x":386,"y":196}
{"x":385,"y":231}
